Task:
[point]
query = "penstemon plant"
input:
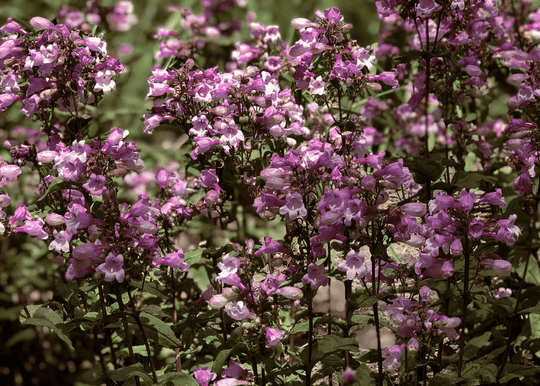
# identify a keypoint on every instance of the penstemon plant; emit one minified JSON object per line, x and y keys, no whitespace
{"x":296,"y":166}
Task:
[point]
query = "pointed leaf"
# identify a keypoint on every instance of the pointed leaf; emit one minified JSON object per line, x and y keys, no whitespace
{"x":45,"y":317}
{"x":163,"y":329}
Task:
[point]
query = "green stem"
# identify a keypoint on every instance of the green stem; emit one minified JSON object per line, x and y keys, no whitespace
{"x":532,"y":232}
{"x":465,"y":304}
{"x":310,"y":342}
{"x":126,"y":330}
{"x":145,"y":339}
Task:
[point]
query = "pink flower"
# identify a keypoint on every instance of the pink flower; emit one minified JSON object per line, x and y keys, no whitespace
{"x":203,"y":375}
{"x":391,"y":357}
{"x":293,"y":293}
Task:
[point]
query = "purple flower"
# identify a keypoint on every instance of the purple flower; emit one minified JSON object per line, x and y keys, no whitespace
{"x":414,"y":209}
{"x":272,"y":282}
{"x":353,"y":265}
{"x":273,"y":336}
{"x":503,"y":293}
{"x":104,"y":81}
{"x":112,"y":268}
{"x":33,"y":228}
{"x":238,"y":311}
{"x":315,"y":276}
{"x":294,"y":206}
{"x":95,"y":184}
{"x":271,"y":247}
{"x":293,"y":293}
{"x":173,"y":260}
{"x":349,"y":377}
{"x":391,"y":358}
{"x":235,"y":370}
{"x":61,"y":241}
{"x":203,"y":375}
{"x":507,"y":230}
{"x":229,"y":266}
{"x":501,"y":267}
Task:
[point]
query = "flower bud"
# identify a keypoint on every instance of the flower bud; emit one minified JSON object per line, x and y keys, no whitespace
{"x":501,"y":267}
{"x":293,"y":293}
{"x":40,"y":23}
{"x":5,"y":200}
{"x":414,"y":209}
{"x":218,"y":301}
{"x":54,"y":219}
{"x":46,"y":156}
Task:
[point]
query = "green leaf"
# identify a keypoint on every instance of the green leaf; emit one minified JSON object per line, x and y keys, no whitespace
{"x":364,"y":376}
{"x":177,"y":379}
{"x":125,"y":373}
{"x":167,"y":336}
{"x":193,"y":257}
{"x":424,"y":169}
{"x":518,"y":371}
{"x":45,"y":317}
{"x":328,"y":345}
{"x":220,"y":360}
{"x":472,"y":180}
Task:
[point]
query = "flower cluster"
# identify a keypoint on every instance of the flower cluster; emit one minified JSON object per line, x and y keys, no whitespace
{"x":53,"y":68}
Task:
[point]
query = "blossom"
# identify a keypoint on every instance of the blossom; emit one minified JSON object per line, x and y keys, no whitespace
{"x":104,"y":81}
{"x":353,"y":265}
{"x":349,"y":377}
{"x":315,"y":276}
{"x":173,"y":260}
{"x":95,"y":184}
{"x":271,"y":284}
{"x":294,"y":206}
{"x":235,"y":370}
{"x":501,"y":267}
{"x":238,"y":311}
{"x":112,"y":268}
{"x":391,"y":358}
{"x":203,"y":375}
{"x":273,"y":336}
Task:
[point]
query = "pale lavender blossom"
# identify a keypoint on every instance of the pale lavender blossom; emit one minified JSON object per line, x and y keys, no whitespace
{"x":315,"y":276}
{"x":112,"y":268}
{"x":238,"y":311}
{"x":353,"y":265}
{"x":294,"y":206}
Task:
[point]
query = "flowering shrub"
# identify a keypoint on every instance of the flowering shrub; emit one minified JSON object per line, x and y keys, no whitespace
{"x":296,"y":166}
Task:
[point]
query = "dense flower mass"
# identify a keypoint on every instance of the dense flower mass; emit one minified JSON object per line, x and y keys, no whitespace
{"x":297,"y":165}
